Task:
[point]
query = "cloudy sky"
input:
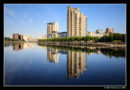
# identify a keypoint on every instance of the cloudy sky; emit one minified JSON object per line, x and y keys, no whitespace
{"x":32,"y":19}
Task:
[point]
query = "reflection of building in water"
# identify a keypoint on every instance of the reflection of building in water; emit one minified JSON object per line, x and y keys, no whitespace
{"x":28,"y":45}
{"x":98,"y":52}
{"x":52,"y":55}
{"x":77,"y":62}
{"x":32,"y":45}
{"x":17,"y":46}
{"x":90,"y":53}
{"x":63,"y":51}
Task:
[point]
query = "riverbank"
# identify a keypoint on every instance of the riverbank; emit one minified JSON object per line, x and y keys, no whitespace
{"x":84,"y":44}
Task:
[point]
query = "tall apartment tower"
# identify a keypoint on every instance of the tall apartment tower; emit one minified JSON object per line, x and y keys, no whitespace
{"x":52,"y":30}
{"x":76,"y":22}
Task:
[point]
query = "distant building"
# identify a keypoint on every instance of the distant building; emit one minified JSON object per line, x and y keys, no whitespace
{"x":43,"y":36}
{"x":62,"y":34}
{"x":29,"y":38}
{"x":99,"y":31}
{"x":90,"y":34}
{"x":26,"y":38}
{"x":17,"y":36}
{"x":109,"y":30}
{"x":52,"y":30}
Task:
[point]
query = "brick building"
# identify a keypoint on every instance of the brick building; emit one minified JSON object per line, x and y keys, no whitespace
{"x":109,"y":30}
{"x":17,"y":36}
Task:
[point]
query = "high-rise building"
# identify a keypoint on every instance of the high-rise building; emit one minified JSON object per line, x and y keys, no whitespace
{"x":52,"y":30}
{"x":76,"y":22}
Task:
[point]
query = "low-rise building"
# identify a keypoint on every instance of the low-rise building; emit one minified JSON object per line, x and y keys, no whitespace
{"x":98,"y":33}
{"x":17,"y":36}
{"x":62,"y":34}
{"x":109,"y":30}
{"x":29,"y":38}
{"x":43,"y":36}
{"x":26,"y":38}
{"x":54,"y":34}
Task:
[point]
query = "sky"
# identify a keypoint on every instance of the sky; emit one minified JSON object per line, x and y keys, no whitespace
{"x":32,"y":19}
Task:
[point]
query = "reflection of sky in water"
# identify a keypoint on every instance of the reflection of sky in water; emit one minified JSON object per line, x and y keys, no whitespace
{"x":32,"y":67}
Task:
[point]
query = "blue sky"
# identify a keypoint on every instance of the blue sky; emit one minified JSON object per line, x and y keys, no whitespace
{"x":32,"y":19}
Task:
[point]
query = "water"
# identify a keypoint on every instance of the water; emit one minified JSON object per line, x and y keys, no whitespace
{"x":33,"y":64}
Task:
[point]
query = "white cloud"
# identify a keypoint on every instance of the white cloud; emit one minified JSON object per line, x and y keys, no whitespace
{"x":10,"y":12}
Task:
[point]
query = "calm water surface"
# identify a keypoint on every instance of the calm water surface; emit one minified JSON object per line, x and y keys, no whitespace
{"x":33,"y":64}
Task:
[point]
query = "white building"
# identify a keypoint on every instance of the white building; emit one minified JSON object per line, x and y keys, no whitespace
{"x":98,"y":33}
{"x":29,"y":38}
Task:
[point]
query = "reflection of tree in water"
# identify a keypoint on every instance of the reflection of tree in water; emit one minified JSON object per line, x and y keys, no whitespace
{"x":77,"y":57}
{"x":117,"y":52}
{"x":6,"y":44}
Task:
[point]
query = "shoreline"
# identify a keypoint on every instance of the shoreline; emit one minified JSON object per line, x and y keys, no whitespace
{"x":84,"y":44}
{"x":75,"y":44}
